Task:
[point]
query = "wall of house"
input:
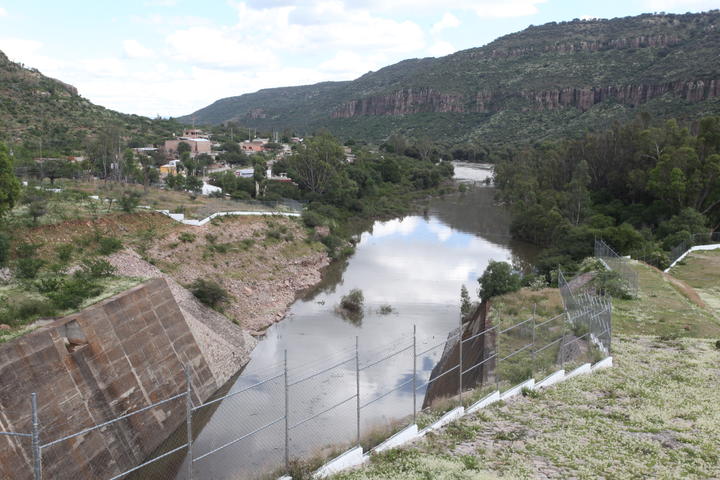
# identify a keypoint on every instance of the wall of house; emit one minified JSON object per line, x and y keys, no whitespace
{"x":117,"y":356}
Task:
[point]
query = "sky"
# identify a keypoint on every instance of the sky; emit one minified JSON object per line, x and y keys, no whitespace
{"x":172,"y":57}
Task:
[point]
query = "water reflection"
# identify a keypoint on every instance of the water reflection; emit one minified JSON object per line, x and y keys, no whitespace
{"x":417,"y":265}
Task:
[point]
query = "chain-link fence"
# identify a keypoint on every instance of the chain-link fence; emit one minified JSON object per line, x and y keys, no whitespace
{"x":618,"y":264}
{"x":696,"y":239}
{"x":268,"y":423}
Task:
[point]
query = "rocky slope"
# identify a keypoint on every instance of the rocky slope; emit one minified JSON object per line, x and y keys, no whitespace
{"x":36,"y":110}
{"x":544,"y":81}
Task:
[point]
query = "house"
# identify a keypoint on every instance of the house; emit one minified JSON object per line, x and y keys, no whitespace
{"x":169,"y":168}
{"x":197,"y":145}
{"x":208,"y":189}
{"x":255,"y":146}
{"x":245,"y":172}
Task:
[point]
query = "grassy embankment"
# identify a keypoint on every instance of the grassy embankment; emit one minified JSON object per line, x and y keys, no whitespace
{"x":258,"y":249}
{"x":654,"y":415}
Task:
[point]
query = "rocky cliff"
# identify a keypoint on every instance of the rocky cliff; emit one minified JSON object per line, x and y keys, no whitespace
{"x":524,"y":86}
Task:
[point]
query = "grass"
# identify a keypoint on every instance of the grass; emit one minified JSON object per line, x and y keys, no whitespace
{"x":694,"y":269}
{"x":666,"y":307}
{"x":651,"y":416}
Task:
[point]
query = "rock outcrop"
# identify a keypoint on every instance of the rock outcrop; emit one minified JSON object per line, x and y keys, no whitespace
{"x":409,"y":101}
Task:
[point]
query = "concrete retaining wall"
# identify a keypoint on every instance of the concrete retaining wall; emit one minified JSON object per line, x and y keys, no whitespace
{"x":180,"y":217}
{"x":110,"y":359}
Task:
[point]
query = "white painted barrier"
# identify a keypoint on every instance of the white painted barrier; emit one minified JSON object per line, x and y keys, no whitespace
{"x":604,"y":363}
{"x":349,"y":459}
{"x":484,"y":402}
{"x":581,"y":370}
{"x":517,"y":389}
{"x":696,"y":248}
{"x":550,"y":380}
{"x":403,"y":436}
{"x":450,"y":416}
{"x":285,"y":477}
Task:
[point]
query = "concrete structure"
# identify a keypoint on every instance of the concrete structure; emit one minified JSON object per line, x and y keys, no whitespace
{"x":197,"y":145}
{"x":254,"y":146}
{"x":208,"y":189}
{"x":110,"y":359}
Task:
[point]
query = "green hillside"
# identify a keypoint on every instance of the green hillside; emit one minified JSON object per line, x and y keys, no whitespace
{"x":41,"y":115}
{"x":546,"y":81}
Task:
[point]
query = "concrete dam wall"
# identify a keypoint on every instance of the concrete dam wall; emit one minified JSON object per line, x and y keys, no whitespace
{"x":110,"y":359}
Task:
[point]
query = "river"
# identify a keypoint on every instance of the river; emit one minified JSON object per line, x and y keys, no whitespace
{"x":414,"y":266}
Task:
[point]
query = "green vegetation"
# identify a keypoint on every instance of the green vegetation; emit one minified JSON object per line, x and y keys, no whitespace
{"x":43,"y":117}
{"x":353,"y":301}
{"x":210,"y":293}
{"x":642,"y":188}
{"x":498,"y":279}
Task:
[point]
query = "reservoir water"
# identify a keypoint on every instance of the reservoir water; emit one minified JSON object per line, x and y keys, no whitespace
{"x":414,"y":266}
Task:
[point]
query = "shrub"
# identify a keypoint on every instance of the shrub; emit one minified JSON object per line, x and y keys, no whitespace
{"x":73,"y":292}
{"x":498,"y":279}
{"x":312,"y":219}
{"x":48,"y":284}
{"x":28,"y":267}
{"x":386,"y":309}
{"x":186,"y":237}
{"x":64,"y":252}
{"x":129,"y":201}
{"x":4,"y":249}
{"x":109,"y":245}
{"x":611,"y":283}
{"x":210,"y":293}
{"x":353,"y":301}
{"x":95,"y":269}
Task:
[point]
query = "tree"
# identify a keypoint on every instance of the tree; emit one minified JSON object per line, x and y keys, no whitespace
{"x":37,"y":209}
{"x":183,"y":147}
{"x":316,"y":163}
{"x":498,"y":279}
{"x":465,"y":302}
{"x":194,"y":184}
{"x":9,"y":184}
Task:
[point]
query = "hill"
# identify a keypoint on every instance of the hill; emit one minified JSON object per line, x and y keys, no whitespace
{"x":39,"y":113}
{"x":546,"y":81}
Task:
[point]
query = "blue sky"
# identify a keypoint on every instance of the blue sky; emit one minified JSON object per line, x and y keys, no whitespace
{"x":171,"y":57}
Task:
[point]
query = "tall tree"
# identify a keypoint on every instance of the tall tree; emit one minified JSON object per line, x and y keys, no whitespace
{"x":9,"y":184}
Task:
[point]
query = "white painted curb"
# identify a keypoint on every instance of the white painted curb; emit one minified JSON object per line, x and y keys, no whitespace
{"x":604,"y":363}
{"x":285,"y":477}
{"x":581,"y":370}
{"x":400,"y":438}
{"x":696,"y":248}
{"x":484,"y":402}
{"x":180,"y":217}
{"x":450,"y":416}
{"x":550,"y":380}
{"x":517,"y":389}
{"x":351,"y":458}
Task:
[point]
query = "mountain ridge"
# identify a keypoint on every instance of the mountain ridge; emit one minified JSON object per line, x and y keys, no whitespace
{"x":530,"y":80}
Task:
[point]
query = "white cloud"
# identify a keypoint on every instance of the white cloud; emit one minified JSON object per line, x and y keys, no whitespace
{"x":134,"y":49}
{"x":217,"y":48}
{"x":3,"y":12}
{"x":161,"y":3}
{"x":440,"y":49}
{"x":680,"y":5}
{"x":448,"y":20}
{"x":28,"y":52}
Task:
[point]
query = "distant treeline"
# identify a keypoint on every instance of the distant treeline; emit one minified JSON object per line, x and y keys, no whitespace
{"x":643,"y":188}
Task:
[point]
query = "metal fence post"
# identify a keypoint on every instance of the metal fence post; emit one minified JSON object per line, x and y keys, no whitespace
{"x":414,"y":379}
{"x":357,"y":386}
{"x":287,"y":424}
{"x":534,"y":347}
{"x":188,"y":421}
{"x":36,"y":450}
{"x":460,"y":361}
